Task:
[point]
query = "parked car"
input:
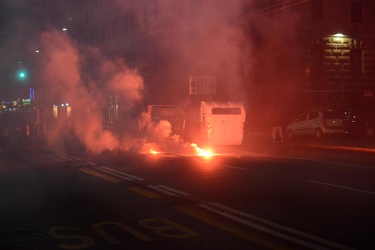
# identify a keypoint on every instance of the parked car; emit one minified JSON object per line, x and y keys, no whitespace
{"x":317,"y":123}
{"x":360,"y":123}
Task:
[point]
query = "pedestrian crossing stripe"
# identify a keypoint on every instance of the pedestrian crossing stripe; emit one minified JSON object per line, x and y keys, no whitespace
{"x":100,"y":175}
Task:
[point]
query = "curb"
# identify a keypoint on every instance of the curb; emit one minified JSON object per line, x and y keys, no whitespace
{"x":348,"y":148}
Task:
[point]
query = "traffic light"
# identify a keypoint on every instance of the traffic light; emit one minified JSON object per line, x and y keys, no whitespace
{"x":21,"y":74}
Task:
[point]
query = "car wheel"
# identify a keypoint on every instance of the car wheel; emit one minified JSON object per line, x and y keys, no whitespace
{"x":318,"y":133}
{"x":370,"y":132}
{"x":289,"y":134}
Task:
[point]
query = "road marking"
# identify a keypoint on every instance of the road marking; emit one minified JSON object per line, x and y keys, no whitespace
{"x":330,"y":162}
{"x":143,"y":192}
{"x":282,"y":235}
{"x":75,"y":158}
{"x":170,"y":229}
{"x":123,"y":174}
{"x":83,"y":242}
{"x":343,"y":187}
{"x":254,"y":237}
{"x":168,"y":190}
{"x":259,"y":224}
{"x":98,"y":227}
{"x":274,"y":225}
{"x":64,"y":156}
{"x":162,"y":190}
{"x":173,"y":190}
{"x":351,"y":148}
{"x":100,"y":175}
{"x":220,"y":165}
{"x":102,"y":169}
{"x":56,"y":158}
{"x":75,"y":164}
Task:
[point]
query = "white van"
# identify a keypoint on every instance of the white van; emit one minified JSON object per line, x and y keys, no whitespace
{"x":222,"y":123}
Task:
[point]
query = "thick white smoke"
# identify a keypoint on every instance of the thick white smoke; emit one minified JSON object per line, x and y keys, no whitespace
{"x":202,"y":42}
{"x":62,"y":79}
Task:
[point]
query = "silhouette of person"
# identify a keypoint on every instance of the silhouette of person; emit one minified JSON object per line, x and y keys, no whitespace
{"x":277,"y":126}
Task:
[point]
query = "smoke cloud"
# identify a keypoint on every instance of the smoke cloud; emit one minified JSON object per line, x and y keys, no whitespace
{"x":201,"y":38}
{"x":185,"y":39}
{"x":65,"y":77}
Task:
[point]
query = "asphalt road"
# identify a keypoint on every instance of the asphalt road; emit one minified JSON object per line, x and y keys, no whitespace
{"x":262,"y":197}
{"x":55,"y":201}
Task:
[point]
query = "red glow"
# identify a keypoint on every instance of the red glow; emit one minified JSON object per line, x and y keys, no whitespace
{"x":154,"y":152}
{"x":202,"y":152}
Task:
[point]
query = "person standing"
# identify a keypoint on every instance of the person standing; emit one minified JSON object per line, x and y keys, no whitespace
{"x":19,"y":133}
{"x":277,"y":127}
{"x":27,"y":132}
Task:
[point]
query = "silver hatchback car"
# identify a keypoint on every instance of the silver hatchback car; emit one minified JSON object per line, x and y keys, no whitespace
{"x":316,"y":123}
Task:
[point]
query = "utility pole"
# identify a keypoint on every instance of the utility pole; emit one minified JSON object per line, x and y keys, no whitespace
{"x":307,"y":72}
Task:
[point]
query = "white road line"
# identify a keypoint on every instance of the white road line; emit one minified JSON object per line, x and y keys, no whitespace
{"x":173,"y":190}
{"x":343,"y":187}
{"x":162,"y":190}
{"x":220,"y":165}
{"x":56,"y":158}
{"x":123,"y":174}
{"x":284,"y":236}
{"x":269,"y":223}
{"x":330,"y":162}
{"x":75,"y":164}
{"x":75,"y":158}
{"x":65,"y":157}
{"x":102,"y":169}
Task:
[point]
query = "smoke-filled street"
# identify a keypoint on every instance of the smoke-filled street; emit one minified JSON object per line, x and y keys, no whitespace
{"x":269,"y":197}
{"x":187,"y":124}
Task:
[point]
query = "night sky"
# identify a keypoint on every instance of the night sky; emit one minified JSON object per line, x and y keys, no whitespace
{"x":15,"y":19}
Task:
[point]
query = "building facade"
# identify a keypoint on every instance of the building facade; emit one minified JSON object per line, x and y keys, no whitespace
{"x":342,"y":53}
{"x":331,"y":46}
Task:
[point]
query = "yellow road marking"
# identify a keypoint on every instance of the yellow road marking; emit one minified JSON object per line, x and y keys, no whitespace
{"x":168,"y":228}
{"x":253,"y":236}
{"x":144,"y":192}
{"x":98,"y":227}
{"x":100,"y":175}
{"x":56,"y":158}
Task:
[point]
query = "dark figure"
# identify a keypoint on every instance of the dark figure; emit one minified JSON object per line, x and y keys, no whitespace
{"x":5,"y":137}
{"x":277,"y":126}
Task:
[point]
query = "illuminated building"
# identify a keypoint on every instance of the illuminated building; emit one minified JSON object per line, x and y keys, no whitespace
{"x":327,"y":48}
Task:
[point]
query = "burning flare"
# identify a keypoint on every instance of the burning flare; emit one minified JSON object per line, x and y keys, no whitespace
{"x":201,"y":152}
{"x":154,"y":152}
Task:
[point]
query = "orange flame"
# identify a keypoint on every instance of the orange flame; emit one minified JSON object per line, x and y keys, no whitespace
{"x":154,"y":152}
{"x":201,"y":152}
